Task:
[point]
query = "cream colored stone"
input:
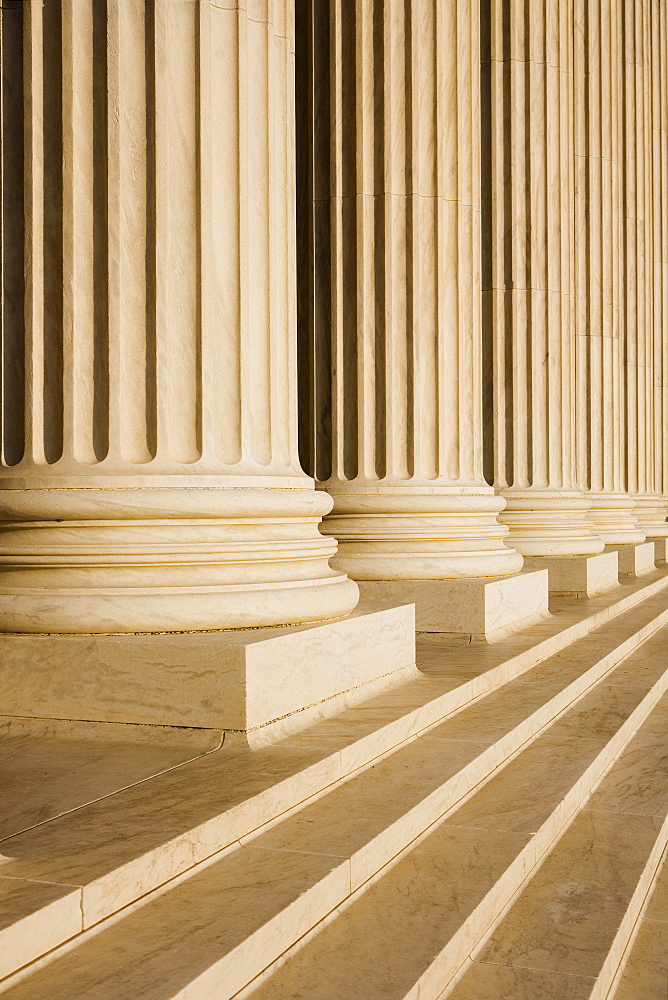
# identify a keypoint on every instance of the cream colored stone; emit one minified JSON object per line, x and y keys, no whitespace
{"x":581,"y":893}
{"x":35,"y":917}
{"x":391,"y":245}
{"x":482,"y":608}
{"x":660,"y":550}
{"x":226,"y":680}
{"x":634,"y":560}
{"x":581,"y":576}
{"x":241,"y":912}
{"x":528,"y":277}
{"x":132,"y":843}
{"x":45,"y":772}
{"x":483,"y":981}
{"x":646,"y":970}
{"x":151,"y":478}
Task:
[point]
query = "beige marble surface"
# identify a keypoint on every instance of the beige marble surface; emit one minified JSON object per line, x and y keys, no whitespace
{"x":130,"y":843}
{"x":578,"y":576}
{"x":634,"y":560}
{"x":645,"y":976}
{"x":478,"y":608}
{"x":237,"y":680}
{"x":566,"y":918}
{"x":485,"y":981}
{"x":45,"y":773}
{"x":34,"y":918}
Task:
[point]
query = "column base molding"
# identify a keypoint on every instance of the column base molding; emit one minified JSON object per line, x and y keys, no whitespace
{"x":166,"y":560}
{"x":634,"y":560}
{"x":412,"y":534}
{"x":651,"y":513}
{"x":485,"y":608}
{"x":615,"y":518}
{"x":259,"y":681}
{"x":550,"y":523}
{"x":578,"y":576}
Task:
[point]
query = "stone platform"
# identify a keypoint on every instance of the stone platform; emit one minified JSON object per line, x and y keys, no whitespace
{"x":634,"y":560}
{"x":236,"y":680}
{"x":578,"y":576}
{"x":483,"y":608}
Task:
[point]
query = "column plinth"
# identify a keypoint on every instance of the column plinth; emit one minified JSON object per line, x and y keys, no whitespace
{"x":165,"y":559}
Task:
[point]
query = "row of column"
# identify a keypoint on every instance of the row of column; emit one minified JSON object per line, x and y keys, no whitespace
{"x":479,"y":268}
{"x":555,"y":322}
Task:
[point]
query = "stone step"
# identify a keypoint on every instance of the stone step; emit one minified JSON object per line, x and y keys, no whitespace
{"x":643,"y":971}
{"x":574,"y":930}
{"x":130,"y":843}
{"x":249,"y":906}
{"x":410,"y":930}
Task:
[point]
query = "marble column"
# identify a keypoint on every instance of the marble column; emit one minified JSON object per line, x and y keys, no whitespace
{"x":390,"y":324}
{"x":529,"y":286}
{"x":150,"y":478}
{"x":652,"y":506}
{"x":638,"y":252}
{"x":599,"y":288}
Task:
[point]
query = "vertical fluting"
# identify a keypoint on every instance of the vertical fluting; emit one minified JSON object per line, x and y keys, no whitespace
{"x":529,"y":275}
{"x":650,"y":489}
{"x":158,"y":181}
{"x":642,"y":233}
{"x":149,"y":470}
{"x":389,"y":248}
{"x":598,"y":253}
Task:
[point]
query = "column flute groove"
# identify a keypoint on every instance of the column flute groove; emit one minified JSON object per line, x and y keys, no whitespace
{"x":150,"y":477}
{"x":389,"y":249}
{"x":599,"y":325}
{"x":529,"y":277}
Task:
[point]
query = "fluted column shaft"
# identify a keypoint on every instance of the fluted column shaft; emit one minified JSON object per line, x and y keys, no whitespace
{"x":599,"y":289}
{"x":150,"y":473}
{"x":645,"y":100}
{"x":528,"y":274}
{"x":390,"y":244}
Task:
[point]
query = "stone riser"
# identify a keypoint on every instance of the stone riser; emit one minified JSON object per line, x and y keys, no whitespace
{"x":331,"y":890}
{"x":487,"y":915}
{"x":122,"y":885}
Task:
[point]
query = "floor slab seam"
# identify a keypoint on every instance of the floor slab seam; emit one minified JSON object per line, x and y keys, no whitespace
{"x":109,"y":795}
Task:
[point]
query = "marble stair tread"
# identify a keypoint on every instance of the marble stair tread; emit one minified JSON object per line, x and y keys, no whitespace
{"x":130,"y":849}
{"x":643,"y":974}
{"x":65,"y":770}
{"x":455,"y":867}
{"x":575,"y":917}
{"x":143,"y":840}
{"x":472,"y":863}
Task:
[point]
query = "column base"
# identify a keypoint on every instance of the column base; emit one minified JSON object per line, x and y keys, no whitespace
{"x":660,"y":549}
{"x":484,"y":608}
{"x":578,"y":576}
{"x":234,"y":680}
{"x":613,"y":516}
{"x":550,"y":523}
{"x":652,"y":514}
{"x":634,"y":560}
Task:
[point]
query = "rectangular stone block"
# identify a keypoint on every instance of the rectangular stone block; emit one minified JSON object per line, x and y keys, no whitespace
{"x":660,"y":550}
{"x":634,"y":560}
{"x":237,"y":680}
{"x":578,"y":576}
{"x":483,"y":608}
